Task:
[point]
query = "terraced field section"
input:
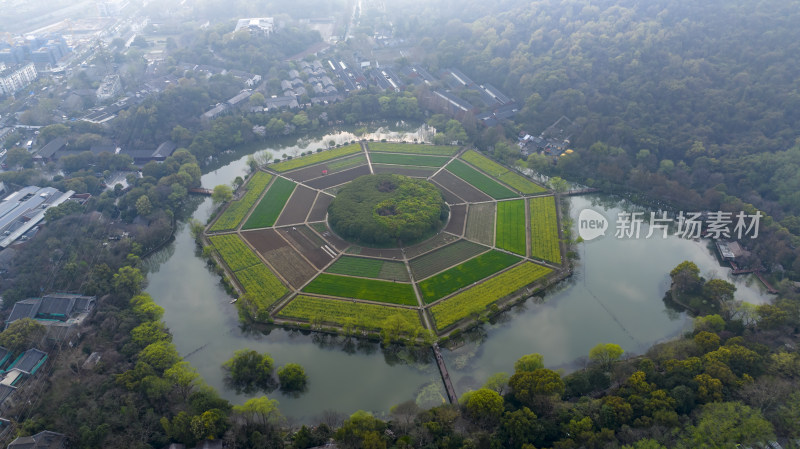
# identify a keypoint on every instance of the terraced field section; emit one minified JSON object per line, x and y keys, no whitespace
{"x":511,"y":226}
{"x":298,"y":206}
{"x":359,"y":288}
{"x":234,"y":251}
{"x":444,"y":258}
{"x":237,"y":210}
{"x":343,"y":313}
{"x":281,"y":256}
{"x":405,"y":170}
{"x":477,"y":179}
{"x":407,"y":159}
{"x":544,"y":229}
{"x":464,"y":274}
{"x":370,"y":268}
{"x":408,"y":148}
{"x":476,"y":299}
{"x":510,"y":178}
{"x":268,"y":209}
{"x":480,"y":223}
{"x":263,"y":289}
{"x":346,"y":163}
{"x":316,"y":158}
{"x":439,"y":240}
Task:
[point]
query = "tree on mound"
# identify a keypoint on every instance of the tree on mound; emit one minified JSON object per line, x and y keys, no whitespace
{"x":382,"y":209}
{"x":292,"y":378}
{"x":248,"y":371}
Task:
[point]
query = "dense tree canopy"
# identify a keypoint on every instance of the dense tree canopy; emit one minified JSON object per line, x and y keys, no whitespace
{"x":382,"y":209}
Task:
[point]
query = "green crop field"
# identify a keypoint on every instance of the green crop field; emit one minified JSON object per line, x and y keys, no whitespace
{"x":544,"y":229}
{"x":316,"y":158}
{"x":346,"y":163}
{"x":519,"y":182}
{"x":465,"y":274}
{"x":369,"y":268}
{"x":367,"y":316}
{"x":237,"y":210}
{"x":263,"y":288}
{"x":443,"y":258}
{"x":234,"y":252}
{"x":511,"y":226}
{"x":407,"y":159}
{"x":510,"y":178}
{"x":441,"y":150}
{"x":267,"y":211}
{"x":482,"y":182}
{"x":368,"y":289}
{"x":476,"y":299}
{"x":483,"y":163}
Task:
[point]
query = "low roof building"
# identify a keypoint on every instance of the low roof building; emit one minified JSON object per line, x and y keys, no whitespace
{"x":47,"y":152}
{"x":23,"y":210}
{"x":53,"y":309}
{"x":42,"y":440}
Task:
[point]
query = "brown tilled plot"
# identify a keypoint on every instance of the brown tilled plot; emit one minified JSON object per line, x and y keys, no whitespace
{"x":264,"y":240}
{"x":311,"y":250}
{"x":458,"y":215}
{"x":460,"y":187}
{"x":334,"y":240}
{"x":480,"y":223}
{"x":304,"y":174}
{"x":298,"y":206}
{"x":449,"y":197}
{"x":338,"y":178}
{"x":286,"y":261}
{"x":320,"y":208}
{"x":291,"y":266}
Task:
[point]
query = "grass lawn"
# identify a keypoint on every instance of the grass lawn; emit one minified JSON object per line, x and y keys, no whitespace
{"x":368,"y":289}
{"x":511,"y":226}
{"x":412,"y":148}
{"x":316,"y":158}
{"x":237,"y":210}
{"x":270,"y":207}
{"x":465,"y":274}
{"x":369,"y":268}
{"x":544,"y":229}
{"x":480,"y":181}
{"x":407,"y":159}
{"x":367,"y":316}
{"x":236,"y":254}
{"x":476,"y":299}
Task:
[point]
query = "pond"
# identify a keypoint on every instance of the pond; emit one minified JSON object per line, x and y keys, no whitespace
{"x":614,"y":296}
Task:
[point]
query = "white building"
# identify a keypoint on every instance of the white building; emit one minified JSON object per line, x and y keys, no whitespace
{"x":257,"y":25}
{"x":14,"y":79}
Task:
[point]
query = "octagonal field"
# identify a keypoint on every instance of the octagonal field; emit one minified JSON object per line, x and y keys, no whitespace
{"x":497,"y":240}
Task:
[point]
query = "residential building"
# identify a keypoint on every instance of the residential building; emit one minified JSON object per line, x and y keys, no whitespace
{"x":48,"y":152}
{"x":42,"y":440}
{"x":214,"y":112}
{"x":14,"y":79}
{"x":258,"y":25}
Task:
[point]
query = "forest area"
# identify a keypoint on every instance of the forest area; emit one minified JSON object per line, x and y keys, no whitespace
{"x":689,"y":104}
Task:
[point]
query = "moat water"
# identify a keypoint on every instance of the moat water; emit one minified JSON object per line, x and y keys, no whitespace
{"x":615,"y":295}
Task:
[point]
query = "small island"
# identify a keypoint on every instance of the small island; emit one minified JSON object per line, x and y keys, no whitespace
{"x":387,"y":209}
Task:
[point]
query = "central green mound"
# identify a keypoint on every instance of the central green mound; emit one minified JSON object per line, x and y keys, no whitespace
{"x":387,"y":209}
